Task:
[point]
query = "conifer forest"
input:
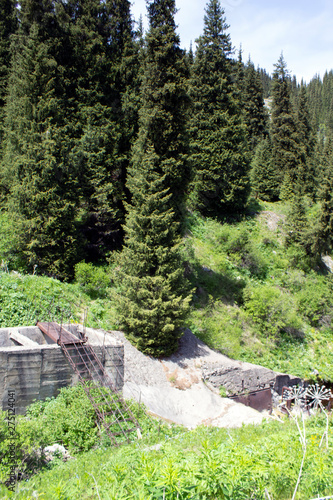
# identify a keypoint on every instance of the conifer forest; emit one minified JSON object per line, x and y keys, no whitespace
{"x":112,"y":138}
{"x":160,"y":189}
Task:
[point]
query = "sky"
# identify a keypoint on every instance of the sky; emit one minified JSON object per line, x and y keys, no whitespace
{"x":301,"y":29}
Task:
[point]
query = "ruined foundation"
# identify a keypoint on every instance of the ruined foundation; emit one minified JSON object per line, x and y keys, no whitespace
{"x":35,"y":367}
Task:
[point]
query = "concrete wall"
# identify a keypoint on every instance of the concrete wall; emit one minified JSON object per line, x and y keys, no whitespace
{"x":39,"y":369}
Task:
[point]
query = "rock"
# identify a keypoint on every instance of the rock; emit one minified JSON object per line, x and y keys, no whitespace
{"x":328,"y":261}
{"x":207,"y":269}
{"x":56,"y":450}
{"x":237,"y":380}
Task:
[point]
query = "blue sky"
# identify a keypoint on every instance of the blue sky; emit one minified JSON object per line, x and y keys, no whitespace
{"x":302,"y":29}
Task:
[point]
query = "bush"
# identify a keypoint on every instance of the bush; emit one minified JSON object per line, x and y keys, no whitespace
{"x":271,"y":309}
{"x":26,"y":299}
{"x":9,"y":255}
{"x":315,"y":299}
{"x":92,"y":279}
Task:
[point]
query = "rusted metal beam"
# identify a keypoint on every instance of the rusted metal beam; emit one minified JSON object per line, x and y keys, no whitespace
{"x":58,"y":333}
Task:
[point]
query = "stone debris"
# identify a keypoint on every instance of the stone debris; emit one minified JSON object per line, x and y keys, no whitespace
{"x":184,"y":388}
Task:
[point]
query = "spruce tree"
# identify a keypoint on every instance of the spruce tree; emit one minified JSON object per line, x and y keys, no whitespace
{"x":125,"y":47}
{"x":8,"y":26}
{"x":255,"y":114}
{"x":41,"y":187}
{"x":323,"y":241}
{"x":296,"y":222}
{"x":94,"y":94}
{"x":285,"y":139}
{"x":153,"y":304}
{"x":164,"y":100}
{"x":263,"y":179}
{"x":306,"y":144}
{"x":219,"y":151}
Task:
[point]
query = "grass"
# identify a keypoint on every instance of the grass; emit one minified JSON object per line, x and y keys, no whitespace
{"x":257,"y":301}
{"x":206,"y":463}
{"x":25,"y":298}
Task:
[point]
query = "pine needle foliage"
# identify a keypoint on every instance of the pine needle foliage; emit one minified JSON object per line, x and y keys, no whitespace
{"x":94,"y":94}
{"x":297,"y":223}
{"x":284,"y":134}
{"x":255,"y":114}
{"x":323,"y":243}
{"x":263,"y":179}
{"x":39,"y":183}
{"x":165,"y":101}
{"x":306,"y":144}
{"x":8,"y":26}
{"x":219,"y":150}
{"x":153,"y":302}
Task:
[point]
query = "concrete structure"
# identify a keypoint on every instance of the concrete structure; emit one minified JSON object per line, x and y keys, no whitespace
{"x":247,"y":378}
{"x":36,"y":368}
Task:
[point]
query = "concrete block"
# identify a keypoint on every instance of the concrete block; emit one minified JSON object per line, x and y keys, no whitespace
{"x":38,"y":369}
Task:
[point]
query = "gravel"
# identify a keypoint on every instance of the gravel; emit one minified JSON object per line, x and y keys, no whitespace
{"x":173,"y":387}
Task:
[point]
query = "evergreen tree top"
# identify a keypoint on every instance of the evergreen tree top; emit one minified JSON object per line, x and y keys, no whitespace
{"x":41,"y":12}
{"x":215,"y":29}
{"x":161,"y":13}
{"x":281,"y":71}
{"x":121,"y":23}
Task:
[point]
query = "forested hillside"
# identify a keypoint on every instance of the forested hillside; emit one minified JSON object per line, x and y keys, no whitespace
{"x":148,"y":188}
{"x":111,"y":138}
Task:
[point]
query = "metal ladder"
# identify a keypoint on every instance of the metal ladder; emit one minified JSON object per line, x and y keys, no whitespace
{"x":112,"y":411}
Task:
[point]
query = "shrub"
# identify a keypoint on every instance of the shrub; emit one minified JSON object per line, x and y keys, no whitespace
{"x":271,"y":309}
{"x":92,"y":279}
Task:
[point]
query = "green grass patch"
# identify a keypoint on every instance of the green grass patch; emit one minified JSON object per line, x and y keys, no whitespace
{"x":206,"y":463}
{"x":257,"y":301}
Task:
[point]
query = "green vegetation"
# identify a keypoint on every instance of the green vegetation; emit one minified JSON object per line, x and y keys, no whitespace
{"x":257,"y":300}
{"x":257,"y":295}
{"x":69,"y":419}
{"x":206,"y":463}
{"x":102,"y":139}
{"x":218,"y":137}
{"x":26,"y":299}
{"x":152,"y":303}
{"x":109,"y":138}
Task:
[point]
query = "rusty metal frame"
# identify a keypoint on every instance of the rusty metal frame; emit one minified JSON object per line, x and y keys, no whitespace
{"x":87,"y":365}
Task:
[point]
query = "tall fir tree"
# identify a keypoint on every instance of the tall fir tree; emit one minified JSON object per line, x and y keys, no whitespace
{"x":255,"y":114}
{"x":8,"y":26}
{"x":296,"y":222}
{"x":125,"y":48}
{"x":263,"y":179}
{"x":219,"y":150}
{"x":153,"y":303}
{"x":306,"y":144}
{"x":266,"y":81}
{"x":284,"y":135}
{"x":165,"y":101}
{"x":323,"y":241}
{"x":324,"y":159}
{"x":103,"y":119}
{"x":41,"y":186}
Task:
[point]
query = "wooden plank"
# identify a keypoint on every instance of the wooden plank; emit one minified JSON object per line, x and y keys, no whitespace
{"x":53,"y":331}
{"x":22,"y":339}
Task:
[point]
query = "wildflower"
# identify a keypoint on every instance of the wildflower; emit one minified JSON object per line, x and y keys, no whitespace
{"x":316,"y":394}
{"x":296,"y":394}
